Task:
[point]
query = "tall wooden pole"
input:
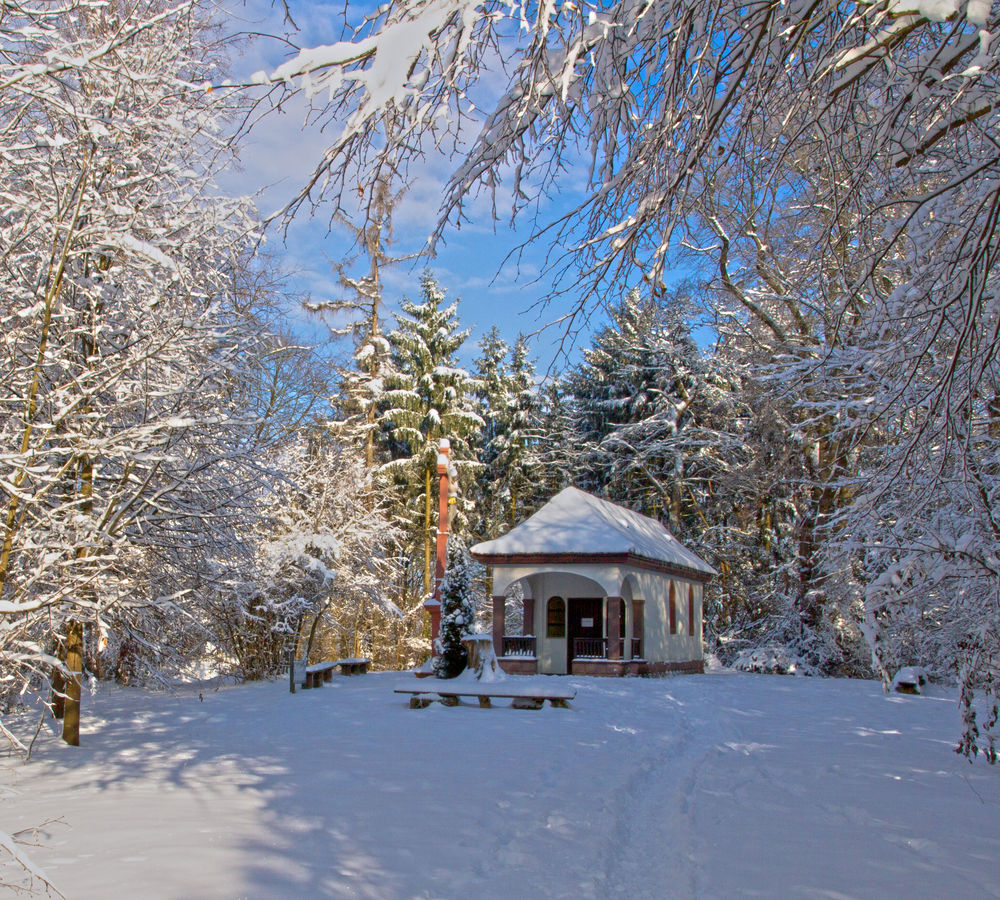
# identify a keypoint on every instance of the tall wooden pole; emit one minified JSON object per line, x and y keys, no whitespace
{"x":445,"y":498}
{"x":427,"y":531}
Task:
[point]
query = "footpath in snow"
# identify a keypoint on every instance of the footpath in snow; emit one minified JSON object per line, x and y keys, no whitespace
{"x":709,"y":786}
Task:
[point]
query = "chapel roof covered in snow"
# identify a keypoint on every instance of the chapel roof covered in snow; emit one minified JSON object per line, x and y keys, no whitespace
{"x":580,"y":527}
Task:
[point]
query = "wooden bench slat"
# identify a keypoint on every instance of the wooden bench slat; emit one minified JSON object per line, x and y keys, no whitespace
{"x":523,"y":697}
{"x":541,"y":694}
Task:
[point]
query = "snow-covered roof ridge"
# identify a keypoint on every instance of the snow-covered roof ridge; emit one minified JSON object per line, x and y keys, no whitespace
{"x":575,"y":522}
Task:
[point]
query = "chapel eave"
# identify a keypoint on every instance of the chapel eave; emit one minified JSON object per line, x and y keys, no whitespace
{"x":633,"y":560}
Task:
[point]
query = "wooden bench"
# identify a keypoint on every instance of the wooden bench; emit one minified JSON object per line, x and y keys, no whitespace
{"x":352,"y":666}
{"x":318,"y":674}
{"x":522,"y":696}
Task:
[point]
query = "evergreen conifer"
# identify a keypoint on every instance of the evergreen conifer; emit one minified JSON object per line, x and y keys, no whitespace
{"x":426,"y":397}
{"x":458,"y":612}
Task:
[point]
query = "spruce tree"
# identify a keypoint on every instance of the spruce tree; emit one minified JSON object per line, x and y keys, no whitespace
{"x":458,"y":612}
{"x":648,"y":412}
{"x":492,"y":392}
{"x":427,"y":397}
{"x":517,"y":449}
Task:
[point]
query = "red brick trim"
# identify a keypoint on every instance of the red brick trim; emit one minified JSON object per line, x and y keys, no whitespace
{"x":621,"y":667}
{"x":591,"y":559}
{"x":611,"y":667}
{"x":514,"y":665}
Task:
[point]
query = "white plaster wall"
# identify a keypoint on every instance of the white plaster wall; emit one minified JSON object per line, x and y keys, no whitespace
{"x":659,"y":645}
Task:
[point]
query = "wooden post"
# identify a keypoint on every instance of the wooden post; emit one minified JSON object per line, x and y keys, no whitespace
{"x":74,"y":662}
{"x":444,"y":489}
{"x":614,"y":627}
{"x":427,"y":532}
{"x":433,"y":606}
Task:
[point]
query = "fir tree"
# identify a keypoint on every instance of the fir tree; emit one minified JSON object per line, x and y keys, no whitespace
{"x":509,"y":405}
{"x":458,"y":612}
{"x":648,"y":412}
{"x":427,"y":397}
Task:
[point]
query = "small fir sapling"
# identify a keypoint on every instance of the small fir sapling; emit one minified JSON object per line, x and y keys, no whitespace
{"x":458,"y":612}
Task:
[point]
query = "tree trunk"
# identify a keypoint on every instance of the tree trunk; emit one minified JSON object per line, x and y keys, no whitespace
{"x":59,"y":684}
{"x":74,"y":662}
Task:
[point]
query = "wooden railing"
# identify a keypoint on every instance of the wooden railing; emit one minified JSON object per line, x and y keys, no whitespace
{"x":597,"y":648}
{"x":518,"y":645}
{"x":590,"y":648}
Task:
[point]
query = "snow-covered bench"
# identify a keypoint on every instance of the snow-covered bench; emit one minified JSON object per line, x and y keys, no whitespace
{"x":527,"y":696}
{"x":357,"y":666}
{"x":317,"y":674}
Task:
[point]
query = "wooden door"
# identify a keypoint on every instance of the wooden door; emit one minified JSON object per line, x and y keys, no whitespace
{"x":585,"y":619}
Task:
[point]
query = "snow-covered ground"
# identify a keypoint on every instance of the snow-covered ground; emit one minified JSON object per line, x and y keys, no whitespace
{"x":719,"y":785}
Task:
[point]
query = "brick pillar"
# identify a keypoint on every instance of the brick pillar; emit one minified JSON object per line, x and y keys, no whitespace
{"x":614,"y":627}
{"x":528,"y":619}
{"x":499,"y":613}
{"x":627,"y":645}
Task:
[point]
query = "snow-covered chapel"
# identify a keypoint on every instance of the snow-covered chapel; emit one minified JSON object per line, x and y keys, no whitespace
{"x":606,"y":591}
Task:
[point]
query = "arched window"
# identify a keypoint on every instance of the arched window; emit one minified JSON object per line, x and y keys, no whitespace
{"x":555,"y":618}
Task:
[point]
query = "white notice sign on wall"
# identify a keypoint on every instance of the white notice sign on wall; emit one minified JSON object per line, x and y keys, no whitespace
{"x":586,"y":623}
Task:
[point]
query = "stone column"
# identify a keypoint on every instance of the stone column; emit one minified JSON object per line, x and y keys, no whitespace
{"x":528,"y":618}
{"x":499,"y":614}
{"x":614,"y":627}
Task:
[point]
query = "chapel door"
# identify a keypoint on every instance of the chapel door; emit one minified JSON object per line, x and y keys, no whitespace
{"x":585,"y":629}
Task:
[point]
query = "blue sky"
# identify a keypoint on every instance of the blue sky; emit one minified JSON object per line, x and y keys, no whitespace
{"x":280,"y":153}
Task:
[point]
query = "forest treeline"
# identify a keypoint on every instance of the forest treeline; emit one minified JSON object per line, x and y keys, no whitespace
{"x":184,"y":487}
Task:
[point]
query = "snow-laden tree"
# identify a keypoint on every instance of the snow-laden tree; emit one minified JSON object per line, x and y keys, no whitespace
{"x":458,"y":612}
{"x":122,"y":441}
{"x":323,"y":561}
{"x":645,"y":407}
{"x":427,"y":397}
{"x":509,"y":405}
{"x":358,"y":315}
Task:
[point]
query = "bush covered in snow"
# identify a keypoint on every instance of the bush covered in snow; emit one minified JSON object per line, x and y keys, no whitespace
{"x":772,"y":660}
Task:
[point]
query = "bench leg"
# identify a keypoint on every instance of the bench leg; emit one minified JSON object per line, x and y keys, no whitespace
{"x":527,"y":703}
{"x":420,"y":702}
{"x":449,"y":701}
{"x":328,"y":676}
{"x":484,"y":703}
{"x":558,"y":701}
